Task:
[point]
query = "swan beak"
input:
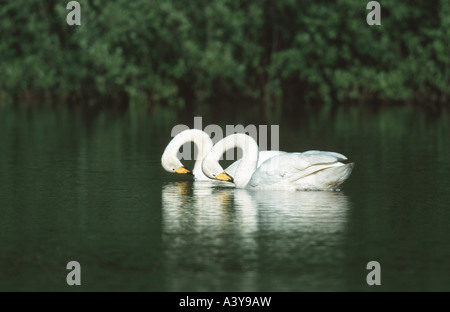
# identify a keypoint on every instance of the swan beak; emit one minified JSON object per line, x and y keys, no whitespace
{"x":224,"y":177}
{"x":182,"y":170}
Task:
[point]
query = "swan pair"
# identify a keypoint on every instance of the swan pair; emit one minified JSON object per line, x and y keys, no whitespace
{"x":311,"y":170}
{"x":204,"y":144}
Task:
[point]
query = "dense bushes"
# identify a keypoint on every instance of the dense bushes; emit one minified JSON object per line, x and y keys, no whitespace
{"x":177,"y":53}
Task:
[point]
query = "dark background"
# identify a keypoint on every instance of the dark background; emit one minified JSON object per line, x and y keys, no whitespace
{"x":276,"y":56}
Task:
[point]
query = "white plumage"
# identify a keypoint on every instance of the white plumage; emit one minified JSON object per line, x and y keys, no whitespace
{"x":311,"y":170}
{"x":172,"y":164}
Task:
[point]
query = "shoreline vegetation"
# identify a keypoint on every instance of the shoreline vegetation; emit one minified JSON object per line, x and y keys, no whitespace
{"x":279,"y":57}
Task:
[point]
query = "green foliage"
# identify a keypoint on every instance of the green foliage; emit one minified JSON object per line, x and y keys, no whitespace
{"x":177,"y":53}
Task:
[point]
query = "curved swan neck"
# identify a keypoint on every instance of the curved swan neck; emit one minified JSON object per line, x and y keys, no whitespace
{"x":200,"y":139}
{"x":249,"y":160}
{"x":204,"y":145}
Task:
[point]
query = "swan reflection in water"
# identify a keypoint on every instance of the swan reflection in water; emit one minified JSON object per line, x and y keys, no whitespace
{"x":230,"y":239}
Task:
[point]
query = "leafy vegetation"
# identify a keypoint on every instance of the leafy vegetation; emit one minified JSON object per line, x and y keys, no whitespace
{"x":278,"y":54}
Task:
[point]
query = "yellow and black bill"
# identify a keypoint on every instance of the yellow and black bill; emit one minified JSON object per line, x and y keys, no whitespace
{"x":182,"y":170}
{"x":224,"y":177}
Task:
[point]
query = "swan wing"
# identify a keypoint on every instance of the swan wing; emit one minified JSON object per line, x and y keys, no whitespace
{"x":333,"y":154}
{"x":289,"y":167}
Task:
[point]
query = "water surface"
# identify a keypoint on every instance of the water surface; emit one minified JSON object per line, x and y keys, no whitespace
{"x":90,"y":187}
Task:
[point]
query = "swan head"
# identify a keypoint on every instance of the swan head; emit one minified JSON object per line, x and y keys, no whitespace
{"x":213,"y":170}
{"x":171,"y":163}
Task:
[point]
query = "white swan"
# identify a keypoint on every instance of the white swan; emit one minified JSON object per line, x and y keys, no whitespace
{"x":171,"y":163}
{"x":311,"y":170}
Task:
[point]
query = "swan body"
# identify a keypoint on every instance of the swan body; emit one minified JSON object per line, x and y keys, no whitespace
{"x":171,"y":163}
{"x":311,"y":170}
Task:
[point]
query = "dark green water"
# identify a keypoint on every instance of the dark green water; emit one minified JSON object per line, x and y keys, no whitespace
{"x":90,"y":188}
